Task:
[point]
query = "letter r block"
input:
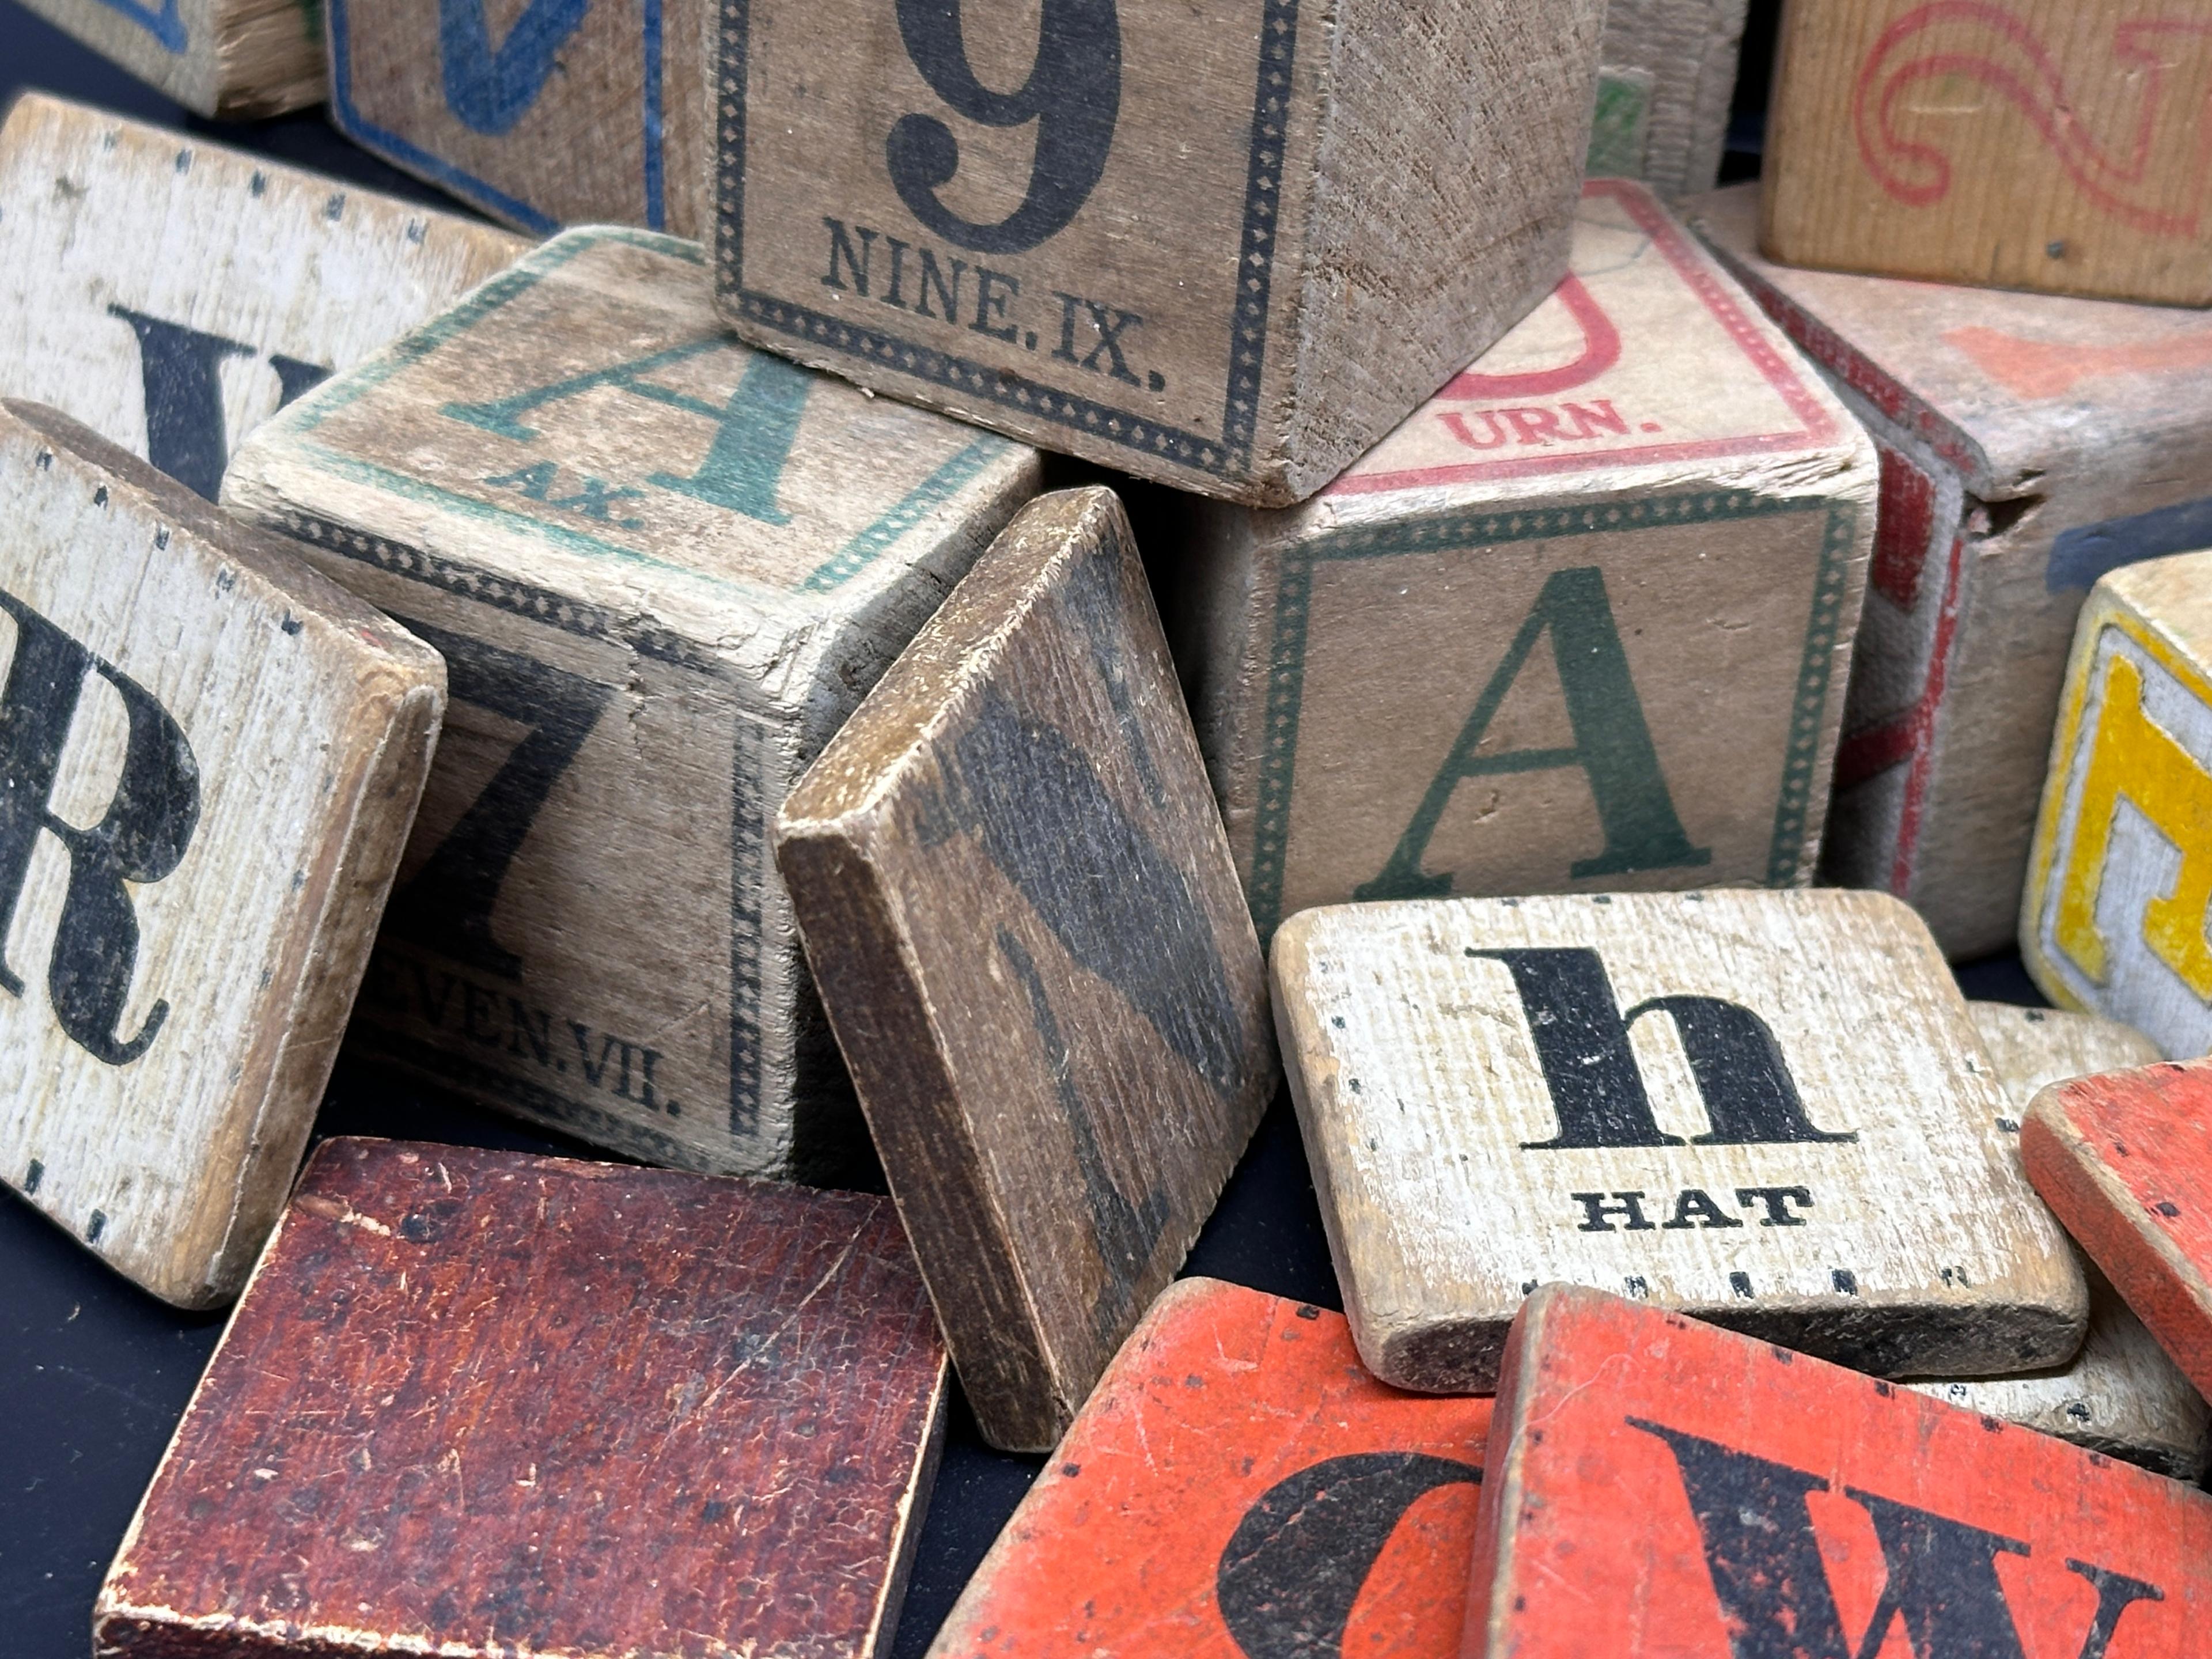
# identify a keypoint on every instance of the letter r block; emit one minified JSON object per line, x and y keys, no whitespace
{"x":662,"y":569}
{"x":2119,"y":890}
{"x":1602,"y":649}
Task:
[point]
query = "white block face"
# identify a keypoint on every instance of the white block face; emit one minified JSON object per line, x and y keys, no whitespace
{"x":1769,"y":1109}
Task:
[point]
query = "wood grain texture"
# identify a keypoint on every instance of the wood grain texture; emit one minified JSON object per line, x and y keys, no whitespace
{"x":1236,"y":1486}
{"x":2120,"y":882}
{"x":663,"y":568}
{"x":210,"y":757}
{"x":1651,"y":1092}
{"x":2120,"y":1395}
{"x":1784,"y":1506}
{"x":2044,"y":144}
{"x":478,"y":1404}
{"x":2030,"y":443}
{"x":172,"y":294}
{"x":236,"y":59}
{"x":1582,"y":622}
{"x":1673,"y":63}
{"x":1021,"y":909}
{"x":1227,"y":249}
{"x":2122,"y":1159}
{"x":560,"y":113}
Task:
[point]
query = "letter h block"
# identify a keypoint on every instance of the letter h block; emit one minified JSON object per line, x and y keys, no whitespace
{"x":1582,"y":624}
{"x":2120,"y":889}
{"x":662,"y":569}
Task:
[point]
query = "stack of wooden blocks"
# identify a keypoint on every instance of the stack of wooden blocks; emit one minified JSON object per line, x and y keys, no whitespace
{"x":1600,"y":647}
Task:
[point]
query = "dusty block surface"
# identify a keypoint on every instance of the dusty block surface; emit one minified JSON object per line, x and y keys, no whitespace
{"x":1667,"y":76}
{"x":1018,"y":902}
{"x":2029,"y":444}
{"x":1786,"y":1506}
{"x":476,"y":1403}
{"x":662,"y":569}
{"x":210,"y":758}
{"x":173,"y":295}
{"x":233,"y":58}
{"x":1228,"y":249}
{"x":1237,"y":1485}
{"x":1581,"y":623}
{"x":1650,"y":1094}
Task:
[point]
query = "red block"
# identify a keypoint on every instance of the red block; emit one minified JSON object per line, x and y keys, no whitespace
{"x":475,"y":1403}
{"x":1659,"y":1487}
{"x":2125,"y":1158}
{"x":1236,"y":1487}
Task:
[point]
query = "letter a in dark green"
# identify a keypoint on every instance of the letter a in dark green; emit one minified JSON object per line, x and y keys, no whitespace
{"x":1612,"y":747}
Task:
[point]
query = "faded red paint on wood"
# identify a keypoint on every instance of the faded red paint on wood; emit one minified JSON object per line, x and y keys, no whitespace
{"x":1662,"y":1486}
{"x":476,"y":1402}
{"x":2125,"y":1158}
{"x":1236,"y":1487}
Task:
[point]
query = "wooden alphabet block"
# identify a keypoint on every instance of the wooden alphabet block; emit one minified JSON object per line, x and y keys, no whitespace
{"x":172,"y":294}
{"x":478,"y":1404}
{"x":662,"y":569}
{"x":2029,"y":444}
{"x":234,"y":59}
{"x":1650,"y":1092}
{"x":2120,"y":882}
{"x":1583,"y":623}
{"x":2046,"y":144}
{"x":1227,"y":248}
{"x":1658,"y":1485}
{"x":1237,"y":1485}
{"x":1666,"y":80}
{"x":2121,"y":1394}
{"x":209,"y":760}
{"x":1020,"y":908}
{"x":569,"y":113}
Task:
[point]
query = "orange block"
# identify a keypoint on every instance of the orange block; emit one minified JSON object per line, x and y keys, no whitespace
{"x":2125,"y":1158}
{"x":1663,"y":1487}
{"x":1237,"y":1487}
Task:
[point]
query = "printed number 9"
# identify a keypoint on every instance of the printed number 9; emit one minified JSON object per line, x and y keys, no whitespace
{"x":1073,"y":94}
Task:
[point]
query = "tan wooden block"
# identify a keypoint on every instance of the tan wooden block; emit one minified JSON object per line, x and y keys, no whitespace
{"x":232,"y":58}
{"x":2048,"y":144}
{"x":1227,"y":248}
{"x":1667,"y":77}
{"x":1028,"y":932}
{"x":1767,"y":1109}
{"x":2029,"y":443}
{"x":662,"y":568}
{"x":2113,"y":918}
{"x":2121,"y":1394}
{"x":209,"y":760}
{"x":172,"y":294}
{"x":556,"y":112}
{"x":1583,"y":623}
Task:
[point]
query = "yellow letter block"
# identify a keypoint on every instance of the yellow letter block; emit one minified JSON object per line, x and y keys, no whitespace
{"x":2114,"y":918}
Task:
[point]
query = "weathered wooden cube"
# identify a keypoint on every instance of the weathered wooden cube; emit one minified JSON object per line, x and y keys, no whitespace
{"x":2029,"y":444}
{"x":1020,"y":906}
{"x":2123,"y":1160}
{"x":2046,"y":144}
{"x":172,"y":294}
{"x":2119,"y":886}
{"x":561,"y":111}
{"x":1583,"y":623}
{"x":1657,"y":1486}
{"x":478,"y":1404}
{"x":1666,"y":79}
{"x":1237,"y":1485}
{"x":1769,"y":1109}
{"x":2121,"y":1394}
{"x":662,"y":569}
{"x":210,"y":758}
{"x":1228,"y":248}
{"x":231,"y":58}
